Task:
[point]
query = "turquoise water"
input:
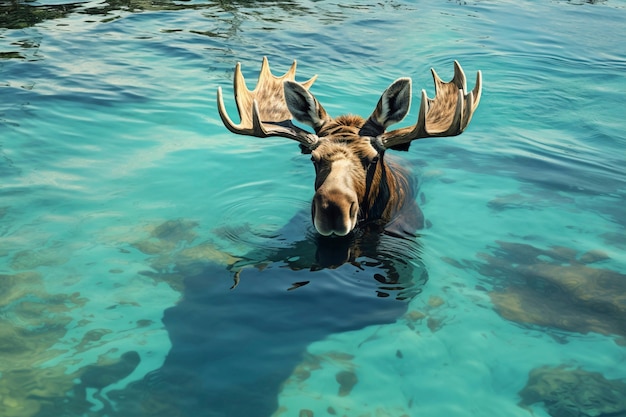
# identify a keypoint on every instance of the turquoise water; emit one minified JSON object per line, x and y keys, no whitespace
{"x":124,"y":203}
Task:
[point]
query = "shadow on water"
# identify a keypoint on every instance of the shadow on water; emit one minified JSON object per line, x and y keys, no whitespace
{"x":232,"y":348}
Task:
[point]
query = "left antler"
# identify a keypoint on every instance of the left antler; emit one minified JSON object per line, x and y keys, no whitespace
{"x":448,"y":114}
{"x":263,"y":111}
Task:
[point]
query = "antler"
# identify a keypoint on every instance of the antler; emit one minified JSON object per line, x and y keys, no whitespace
{"x":448,"y":114}
{"x":263,"y":111}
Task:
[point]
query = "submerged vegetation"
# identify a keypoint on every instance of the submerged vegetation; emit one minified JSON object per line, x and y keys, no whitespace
{"x":555,"y":288}
{"x":33,"y":383}
{"x":574,"y":393}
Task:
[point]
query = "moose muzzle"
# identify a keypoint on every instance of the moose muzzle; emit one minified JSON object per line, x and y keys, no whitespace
{"x":335,"y":211}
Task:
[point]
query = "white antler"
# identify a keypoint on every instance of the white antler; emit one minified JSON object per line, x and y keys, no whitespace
{"x":448,"y":114}
{"x":263,"y":111}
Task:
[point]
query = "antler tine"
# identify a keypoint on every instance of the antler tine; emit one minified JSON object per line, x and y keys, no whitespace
{"x":243,"y":96}
{"x":250,"y":122}
{"x":448,"y":114}
{"x":478,"y":89}
{"x":472,"y":100}
{"x":263,"y":111}
{"x":224,"y":115}
{"x":459,"y":77}
{"x":243,"y":99}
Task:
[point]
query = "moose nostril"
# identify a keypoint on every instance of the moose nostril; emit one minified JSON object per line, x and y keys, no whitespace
{"x":353,"y":209}
{"x":334,"y":211}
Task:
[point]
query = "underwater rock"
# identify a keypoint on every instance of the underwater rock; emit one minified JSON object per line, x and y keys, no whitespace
{"x":554,"y":288}
{"x":435,"y":301}
{"x":91,"y":337}
{"x":593,"y":256}
{"x":414,"y":316}
{"x":39,"y":392}
{"x":167,"y":243}
{"x":175,"y":280}
{"x":37,"y":320}
{"x":24,"y":392}
{"x":434,"y":319}
{"x":311,"y":363}
{"x":574,"y":393}
{"x":102,"y":375}
{"x":190,"y":260}
{"x":31,"y":259}
{"x":509,"y":201}
{"x":204,"y":253}
{"x":175,"y":231}
{"x":529,"y":201}
{"x":16,"y":286}
{"x":616,"y":239}
{"x":33,"y":323}
{"x":347,"y":380}
{"x":167,"y":236}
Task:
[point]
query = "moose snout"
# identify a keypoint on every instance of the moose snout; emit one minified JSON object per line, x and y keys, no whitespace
{"x":334,"y":212}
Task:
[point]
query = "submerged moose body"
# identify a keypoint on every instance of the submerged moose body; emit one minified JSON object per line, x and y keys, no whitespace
{"x":355,"y":186}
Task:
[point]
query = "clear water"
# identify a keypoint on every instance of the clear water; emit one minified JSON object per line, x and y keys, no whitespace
{"x":123,"y":201}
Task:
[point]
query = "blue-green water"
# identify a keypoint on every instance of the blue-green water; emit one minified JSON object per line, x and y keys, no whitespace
{"x":123,"y":201}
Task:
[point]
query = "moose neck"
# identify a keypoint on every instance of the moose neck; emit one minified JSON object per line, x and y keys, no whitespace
{"x":381,"y":182}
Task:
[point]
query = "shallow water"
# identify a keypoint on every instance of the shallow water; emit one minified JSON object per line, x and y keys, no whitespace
{"x":124,"y":204}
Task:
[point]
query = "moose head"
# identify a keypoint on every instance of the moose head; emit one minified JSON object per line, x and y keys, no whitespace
{"x":354,"y":184}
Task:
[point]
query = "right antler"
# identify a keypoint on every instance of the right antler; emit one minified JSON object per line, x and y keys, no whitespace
{"x":448,"y":114}
{"x":263,"y":111}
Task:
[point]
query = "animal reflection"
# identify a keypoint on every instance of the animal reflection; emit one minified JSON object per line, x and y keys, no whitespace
{"x":391,"y":262}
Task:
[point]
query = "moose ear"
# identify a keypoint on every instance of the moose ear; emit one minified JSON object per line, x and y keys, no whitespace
{"x":392,"y":107}
{"x":303,"y":106}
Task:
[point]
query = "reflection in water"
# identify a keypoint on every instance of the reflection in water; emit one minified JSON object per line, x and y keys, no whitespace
{"x":19,"y":14}
{"x":232,"y":349}
{"x":391,"y":260}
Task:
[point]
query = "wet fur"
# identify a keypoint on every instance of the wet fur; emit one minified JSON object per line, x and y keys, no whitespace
{"x":385,"y":190}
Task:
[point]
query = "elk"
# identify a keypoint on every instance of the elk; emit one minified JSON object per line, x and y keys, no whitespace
{"x":355,"y":185}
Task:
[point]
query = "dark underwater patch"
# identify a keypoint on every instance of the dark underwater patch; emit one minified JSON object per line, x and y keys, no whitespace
{"x":232,"y":349}
{"x":574,"y":393}
{"x":233,"y":346}
{"x":557,"y":288}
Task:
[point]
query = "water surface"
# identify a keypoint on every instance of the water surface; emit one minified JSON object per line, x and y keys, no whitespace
{"x":124,"y":204}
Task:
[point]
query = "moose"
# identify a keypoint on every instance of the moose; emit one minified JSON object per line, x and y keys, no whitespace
{"x":232,"y":351}
{"x":355,"y":185}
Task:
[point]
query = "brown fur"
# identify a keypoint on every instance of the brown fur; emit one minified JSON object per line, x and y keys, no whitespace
{"x":381,"y":187}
